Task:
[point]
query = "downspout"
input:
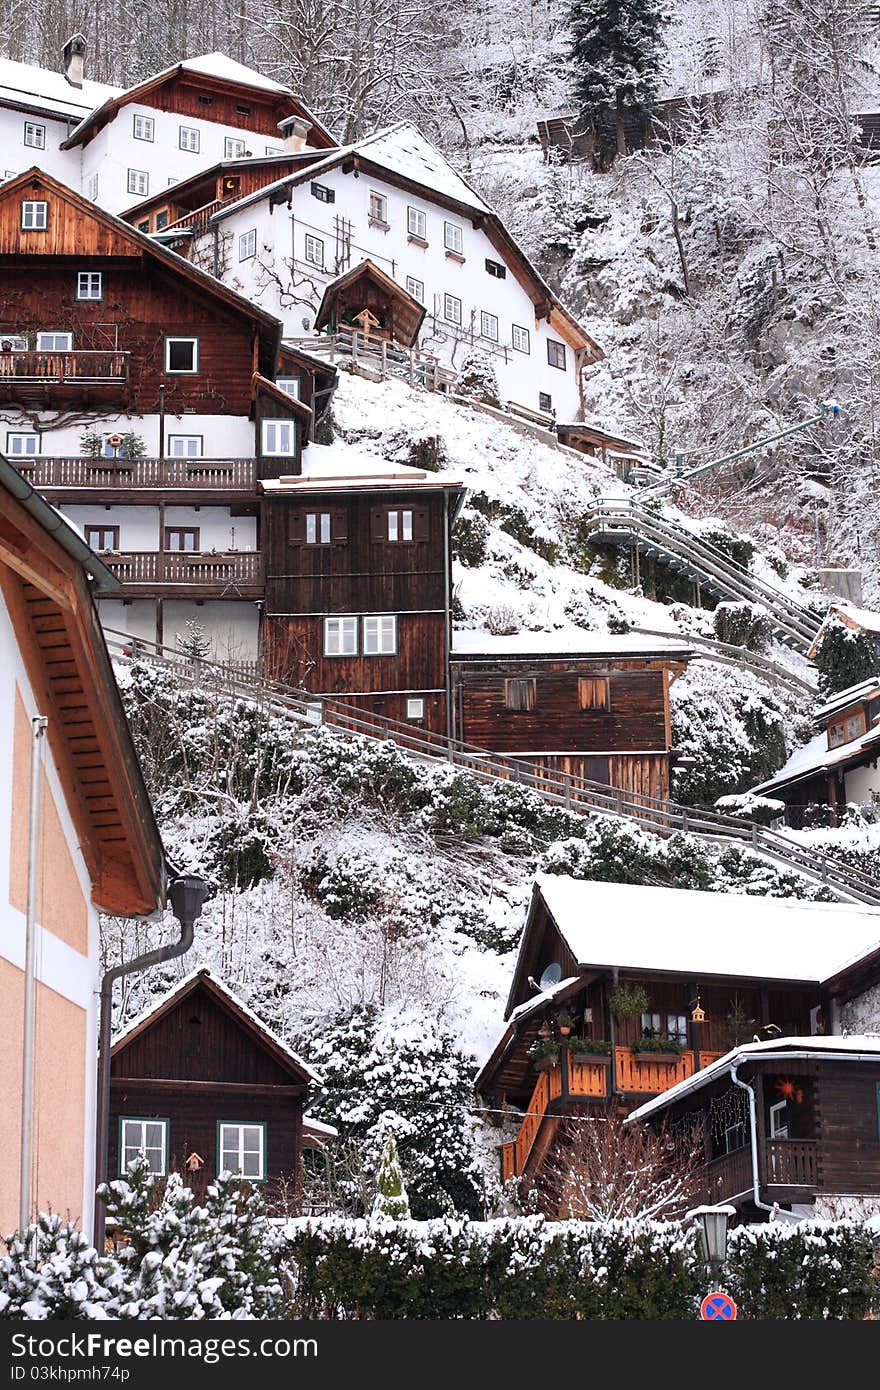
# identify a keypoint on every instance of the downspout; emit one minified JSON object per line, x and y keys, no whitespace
{"x":187,"y":894}
{"x":38,"y":724}
{"x":753,"y":1138}
{"x":447,"y":624}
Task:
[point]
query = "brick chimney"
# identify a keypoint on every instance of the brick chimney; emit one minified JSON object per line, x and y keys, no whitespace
{"x":294,"y":129}
{"x":73,"y":57}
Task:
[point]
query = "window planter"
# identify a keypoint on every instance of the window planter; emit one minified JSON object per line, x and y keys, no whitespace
{"x":546,"y":1063}
{"x":455,"y":256}
{"x":665,"y":1058}
{"x":599,"y":1059}
{"x":417,"y":241}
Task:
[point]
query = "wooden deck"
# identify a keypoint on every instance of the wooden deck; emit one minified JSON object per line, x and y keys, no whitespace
{"x":120,"y":475}
{"x":189,"y":574}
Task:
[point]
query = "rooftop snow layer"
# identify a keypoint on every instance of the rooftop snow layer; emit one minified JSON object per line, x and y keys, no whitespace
{"x":859,"y":1044}
{"x":816,"y":755}
{"x":697,"y":933}
{"x":574,"y":641}
{"x":26,"y":84}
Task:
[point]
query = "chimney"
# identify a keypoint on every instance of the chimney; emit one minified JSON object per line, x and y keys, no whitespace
{"x":73,"y":56}
{"x":294,"y":129}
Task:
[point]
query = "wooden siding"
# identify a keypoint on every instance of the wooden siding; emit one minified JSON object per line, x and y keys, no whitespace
{"x":848,"y":1122}
{"x":294,"y":653}
{"x":198,"y":1040}
{"x":635,"y":721}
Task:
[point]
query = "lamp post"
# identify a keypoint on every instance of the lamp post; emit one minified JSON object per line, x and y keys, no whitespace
{"x":714,"y":1223}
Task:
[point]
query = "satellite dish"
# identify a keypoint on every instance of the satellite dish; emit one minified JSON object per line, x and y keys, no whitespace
{"x":551,"y":976}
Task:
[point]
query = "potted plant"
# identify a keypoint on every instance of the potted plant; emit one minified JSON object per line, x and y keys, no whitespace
{"x":564,"y":1022}
{"x":544,"y":1053}
{"x":659,"y":1049}
{"x":629,"y":1001}
{"x":594,"y":1049}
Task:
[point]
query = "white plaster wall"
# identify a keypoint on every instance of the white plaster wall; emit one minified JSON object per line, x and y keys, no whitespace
{"x":139,"y":525}
{"x":223,"y":436}
{"x":16,"y":156}
{"x":137,"y":617}
{"x":66,"y":971}
{"x":231,"y":627}
{"x":860,"y":783}
{"x":218,"y":528}
{"x":281,"y":238}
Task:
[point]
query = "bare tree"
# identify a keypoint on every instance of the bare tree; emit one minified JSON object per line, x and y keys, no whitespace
{"x":603,"y":1169}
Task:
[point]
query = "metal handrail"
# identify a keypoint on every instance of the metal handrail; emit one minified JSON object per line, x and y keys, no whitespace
{"x":559,"y":788}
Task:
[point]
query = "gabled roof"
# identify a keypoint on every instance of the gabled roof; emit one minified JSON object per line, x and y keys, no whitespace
{"x":853,"y":695}
{"x":858,"y":619}
{"x":276,"y":164}
{"x":46,"y":569}
{"x":27,"y":87}
{"x":403,"y":155}
{"x":413,"y":313}
{"x":202,"y":979}
{"x":215,"y":68}
{"x":127,"y":240}
{"x":827,"y":1047}
{"x":816,"y":756}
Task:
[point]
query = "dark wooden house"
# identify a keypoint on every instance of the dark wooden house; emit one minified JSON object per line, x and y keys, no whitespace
{"x":358,"y":588}
{"x":793,"y":1122}
{"x":840,"y":767}
{"x":368,"y":300}
{"x":601,"y":714}
{"x":655,"y":984}
{"x":202,"y":1086}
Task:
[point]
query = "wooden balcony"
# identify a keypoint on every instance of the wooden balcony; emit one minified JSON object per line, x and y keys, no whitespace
{"x":649,"y":1075}
{"x":197,"y":220}
{"x":578,"y":1077}
{"x":69,"y":477}
{"x":42,"y":378}
{"x":184,"y":574}
{"x":790,"y":1163}
{"x":728,"y":1176}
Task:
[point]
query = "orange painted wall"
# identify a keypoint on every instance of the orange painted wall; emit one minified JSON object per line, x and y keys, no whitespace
{"x":61,"y":1068}
{"x":62,"y":907}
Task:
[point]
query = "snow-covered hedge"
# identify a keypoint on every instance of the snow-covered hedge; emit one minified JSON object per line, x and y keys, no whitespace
{"x":813,"y":1270}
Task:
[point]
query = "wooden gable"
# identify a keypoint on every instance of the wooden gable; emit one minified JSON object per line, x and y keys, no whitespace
{"x":366,"y":290}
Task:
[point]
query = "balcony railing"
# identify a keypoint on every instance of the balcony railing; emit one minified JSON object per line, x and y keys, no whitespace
{"x":587,"y":1079}
{"x":192,"y":474}
{"x":198,"y":219}
{"x":228,"y":570}
{"x":80,"y":368}
{"x":728,"y":1176}
{"x":791,"y":1163}
{"x":647,"y":1075}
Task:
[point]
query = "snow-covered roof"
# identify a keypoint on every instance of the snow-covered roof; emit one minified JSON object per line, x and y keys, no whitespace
{"x":24,"y":84}
{"x":202,"y":973}
{"x":816,"y":755}
{"x":337,"y":467}
{"x":851,"y":1048}
{"x":545,"y":996}
{"x":862,"y":617}
{"x":574,"y":641}
{"x":696,"y":933}
{"x":853,"y":695}
{"x":318,"y":1129}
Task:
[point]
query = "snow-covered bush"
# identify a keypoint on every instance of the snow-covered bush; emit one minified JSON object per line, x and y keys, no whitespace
{"x":470,"y":538}
{"x":844,"y":658}
{"x":815,"y":1269}
{"x":391,"y":1201}
{"x":478,"y":380}
{"x":742,"y":625}
{"x":53,"y":1272}
{"x":748,"y":806}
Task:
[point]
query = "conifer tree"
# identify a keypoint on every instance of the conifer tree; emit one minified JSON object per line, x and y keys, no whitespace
{"x":616,"y":54}
{"x":477,"y":378}
{"x":391,"y":1196}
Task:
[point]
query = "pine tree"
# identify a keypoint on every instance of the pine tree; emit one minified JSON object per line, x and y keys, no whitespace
{"x":52,"y":1271}
{"x":615,"y":52}
{"x":391,"y":1197}
{"x":477,"y":379}
{"x":195,"y":644}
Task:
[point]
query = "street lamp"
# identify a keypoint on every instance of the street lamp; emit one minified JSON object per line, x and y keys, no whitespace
{"x":714,"y":1223}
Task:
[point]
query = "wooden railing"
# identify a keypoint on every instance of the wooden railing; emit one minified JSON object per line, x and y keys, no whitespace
{"x":558,"y":788}
{"x":220,"y":475}
{"x":728,"y":1176}
{"x":189,"y":568}
{"x":707,"y":1058}
{"x":791,"y":1163}
{"x":586,"y":1078}
{"x":378,"y":355}
{"x":79,"y":368}
{"x":650,"y":1077}
{"x":197,"y":219}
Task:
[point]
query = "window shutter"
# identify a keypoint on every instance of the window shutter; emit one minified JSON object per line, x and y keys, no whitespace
{"x":339,"y":526}
{"x":421,"y":524}
{"x":378,"y":524}
{"x":297,"y":528}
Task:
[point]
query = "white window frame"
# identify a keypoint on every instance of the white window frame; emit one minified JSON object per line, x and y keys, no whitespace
{"x":143,"y":128}
{"x":33,"y":128}
{"x":186,"y":446}
{"x":44,"y":345}
{"x":189,"y":138}
{"x":488,"y":326}
{"x":138,"y":183}
{"x":341,"y":636}
{"x":415,"y":708}
{"x":318,"y":528}
{"x":247,"y":245}
{"x":88,"y":281}
{"x":234,"y":148}
{"x":225,"y":1146}
{"x":400,"y":524}
{"x":34,"y":215}
{"x":378,"y":207}
{"x":140,"y":1147}
{"x":273,"y":149}
{"x":379,"y":634}
{"x":456,"y":317}
{"x":778,"y":1131}
{"x":416,"y":288}
{"x":14,"y":438}
{"x":290,"y":385}
{"x":181,"y":371}
{"x":518,"y":335}
{"x":417,"y":223}
{"x":272,"y":436}
{"x":453,"y":238}
{"x":314,"y":251}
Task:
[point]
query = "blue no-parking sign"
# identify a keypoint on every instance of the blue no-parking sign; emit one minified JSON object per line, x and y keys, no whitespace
{"x":718,"y":1307}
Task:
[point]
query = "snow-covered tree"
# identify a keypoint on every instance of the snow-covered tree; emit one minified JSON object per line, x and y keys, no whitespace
{"x":605,"y":1170}
{"x":52,"y":1271}
{"x":477,"y":378}
{"x":615,"y":56}
{"x":844,"y":657}
{"x":391,"y":1198}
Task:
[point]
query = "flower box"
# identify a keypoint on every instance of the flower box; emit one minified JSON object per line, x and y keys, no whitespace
{"x":666,"y":1058}
{"x":545,"y":1063}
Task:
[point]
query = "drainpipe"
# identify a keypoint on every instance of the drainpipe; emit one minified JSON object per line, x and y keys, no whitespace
{"x":753,"y":1135}
{"x":187,"y":896}
{"x":38,"y":726}
{"x":447,"y":635}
